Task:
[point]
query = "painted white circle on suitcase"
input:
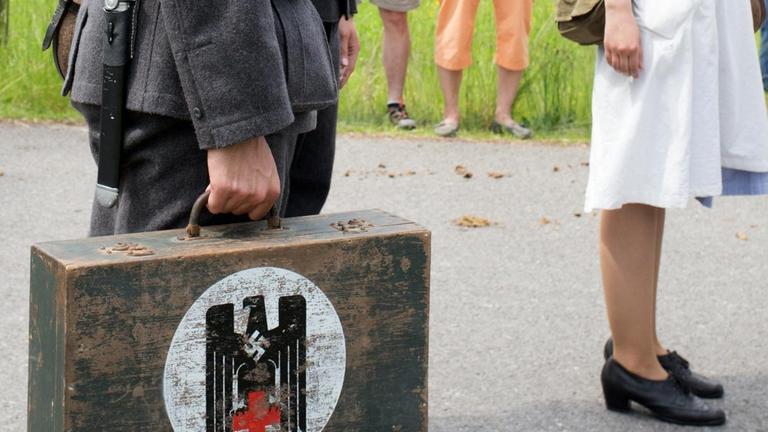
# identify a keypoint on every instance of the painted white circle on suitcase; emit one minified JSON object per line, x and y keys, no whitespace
{"x":262,"y":350}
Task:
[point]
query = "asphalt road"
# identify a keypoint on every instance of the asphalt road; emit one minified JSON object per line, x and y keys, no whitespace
{"x":517,"y":321}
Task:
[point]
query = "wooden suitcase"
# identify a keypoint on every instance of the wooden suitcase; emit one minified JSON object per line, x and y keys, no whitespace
{"x":321,"y":325}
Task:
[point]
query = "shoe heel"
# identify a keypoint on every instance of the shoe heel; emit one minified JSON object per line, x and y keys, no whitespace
{"x":615,"y":401}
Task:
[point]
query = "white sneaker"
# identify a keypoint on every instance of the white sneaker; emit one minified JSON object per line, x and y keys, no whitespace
{"x":446,"y":129}
{"x":513,"y":128}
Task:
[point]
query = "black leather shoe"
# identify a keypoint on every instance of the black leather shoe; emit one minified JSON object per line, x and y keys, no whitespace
{"x":676,"y":365}
{"x":669,"y":400}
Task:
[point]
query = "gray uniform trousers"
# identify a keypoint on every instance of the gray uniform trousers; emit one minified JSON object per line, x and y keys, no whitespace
{"x":163,"y":171}
{"x":312,"y":167}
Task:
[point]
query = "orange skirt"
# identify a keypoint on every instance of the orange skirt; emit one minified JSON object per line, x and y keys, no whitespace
{"x":456,"y":23}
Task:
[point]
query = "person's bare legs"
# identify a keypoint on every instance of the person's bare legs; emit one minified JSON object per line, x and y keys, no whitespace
{"x":450,"y":83}
{"x":397,"y":49}
{"x":661,"y":217}
{"x":509,"y":84}
{"x":629,"y":240}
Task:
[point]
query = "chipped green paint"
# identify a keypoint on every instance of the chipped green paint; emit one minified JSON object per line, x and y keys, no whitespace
{"x":46,"y":347}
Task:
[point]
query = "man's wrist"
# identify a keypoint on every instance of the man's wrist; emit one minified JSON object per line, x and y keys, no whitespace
{"x":618,"y":5}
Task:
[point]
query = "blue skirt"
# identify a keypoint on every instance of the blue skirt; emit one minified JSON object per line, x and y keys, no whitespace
{"x":740,"y":183}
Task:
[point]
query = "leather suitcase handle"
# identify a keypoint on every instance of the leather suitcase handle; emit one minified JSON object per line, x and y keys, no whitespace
{"x":193,"y":228}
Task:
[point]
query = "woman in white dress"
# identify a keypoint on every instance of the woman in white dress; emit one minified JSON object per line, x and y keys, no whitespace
{"x":678,"y":113}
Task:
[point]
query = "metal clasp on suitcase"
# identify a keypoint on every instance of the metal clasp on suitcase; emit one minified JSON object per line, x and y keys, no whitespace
{"x":193,"y":228}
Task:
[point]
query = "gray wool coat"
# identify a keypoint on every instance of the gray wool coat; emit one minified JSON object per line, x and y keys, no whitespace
{"x":237,"y":69}
{"x":331,"y":10}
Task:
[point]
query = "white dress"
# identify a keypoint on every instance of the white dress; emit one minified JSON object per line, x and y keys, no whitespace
{"x":697,"y":109}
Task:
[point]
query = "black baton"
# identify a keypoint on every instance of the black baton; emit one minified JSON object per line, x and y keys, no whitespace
{"x":118,"y":47}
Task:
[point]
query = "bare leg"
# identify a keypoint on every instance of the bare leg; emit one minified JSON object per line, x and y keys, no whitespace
{"x":509,"y":83}
{"x":397,"y":49}
{"x":628,"y":251}
{"x":661,"y":216}
{"x":450,"y":83}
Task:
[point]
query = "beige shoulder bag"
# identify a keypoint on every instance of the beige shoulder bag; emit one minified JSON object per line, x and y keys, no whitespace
{"x":583,"y":21}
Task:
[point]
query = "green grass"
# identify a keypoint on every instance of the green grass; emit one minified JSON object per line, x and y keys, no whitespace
{"x":29,"y":84}
{"x":3,"y":21}
{"x":554,"y":97}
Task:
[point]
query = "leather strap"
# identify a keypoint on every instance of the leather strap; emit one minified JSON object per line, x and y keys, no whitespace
{"x":53,"y":27}
{"x":62,"y":39}
{"x":134,"y":28}
{"x":758,"y":13}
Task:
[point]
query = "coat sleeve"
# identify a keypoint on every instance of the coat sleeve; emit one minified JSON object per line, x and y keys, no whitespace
{"x":231,"y":68}
{"x":351,"y":8}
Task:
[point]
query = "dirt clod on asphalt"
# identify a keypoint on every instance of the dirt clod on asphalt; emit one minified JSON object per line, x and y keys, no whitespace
{"x":472,"y":221}
{"x":463,"y":171}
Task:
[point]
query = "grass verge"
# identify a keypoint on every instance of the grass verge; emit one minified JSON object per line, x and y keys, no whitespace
{"x":554,"y":97}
